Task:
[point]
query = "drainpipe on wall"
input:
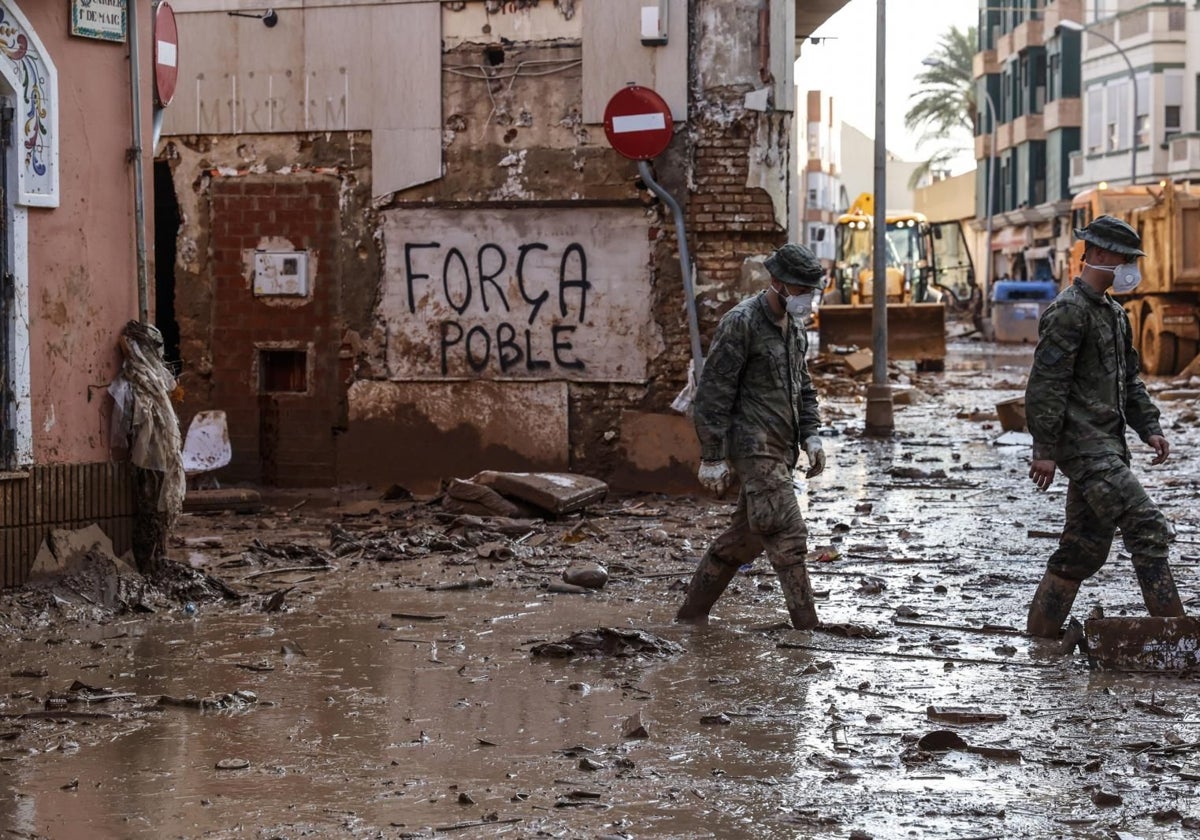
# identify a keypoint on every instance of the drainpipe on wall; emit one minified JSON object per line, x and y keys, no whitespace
{"x":135,"y":157}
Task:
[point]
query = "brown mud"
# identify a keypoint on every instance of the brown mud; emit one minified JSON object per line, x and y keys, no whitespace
{"x":378,"y":679}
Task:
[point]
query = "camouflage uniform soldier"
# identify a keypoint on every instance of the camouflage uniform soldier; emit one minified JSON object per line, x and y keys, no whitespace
{"x":1083,"y":391}
{"x":754,"y":408}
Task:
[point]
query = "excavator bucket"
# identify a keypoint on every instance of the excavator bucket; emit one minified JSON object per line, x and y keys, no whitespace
{"x":916,"y":331}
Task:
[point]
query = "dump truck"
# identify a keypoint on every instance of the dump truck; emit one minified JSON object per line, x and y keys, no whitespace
{"x":918,"y":288}
{"x":1164,"y":311}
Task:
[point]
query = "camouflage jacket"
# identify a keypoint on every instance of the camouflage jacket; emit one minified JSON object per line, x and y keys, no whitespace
{"x":755,"y":396}
{"x":1084,"y":387}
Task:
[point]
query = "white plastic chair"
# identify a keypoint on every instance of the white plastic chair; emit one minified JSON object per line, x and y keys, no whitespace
{"x":206,"y":447}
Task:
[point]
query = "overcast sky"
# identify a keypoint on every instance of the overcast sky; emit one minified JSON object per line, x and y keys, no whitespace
{"x":844,"y":65}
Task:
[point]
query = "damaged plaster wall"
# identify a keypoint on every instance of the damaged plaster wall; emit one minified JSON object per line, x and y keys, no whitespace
{"x":306,"y":192}
{"x":741,"y":133}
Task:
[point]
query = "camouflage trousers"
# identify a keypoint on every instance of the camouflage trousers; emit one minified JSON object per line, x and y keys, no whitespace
{"x":767,"y":517}
{"x":1104,"y":495}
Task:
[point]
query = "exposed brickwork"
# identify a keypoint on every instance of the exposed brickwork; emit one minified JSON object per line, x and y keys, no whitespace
{"x":277,"y":438}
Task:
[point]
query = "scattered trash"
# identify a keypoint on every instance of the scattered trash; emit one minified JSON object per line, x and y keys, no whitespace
{"x":609,"y":641}
{"x":592,"y":576}
{"x":232,"y":764}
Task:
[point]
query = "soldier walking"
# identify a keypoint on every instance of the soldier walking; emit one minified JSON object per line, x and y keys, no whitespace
{"x":754,"y":408}
{"x":1083,"y":391}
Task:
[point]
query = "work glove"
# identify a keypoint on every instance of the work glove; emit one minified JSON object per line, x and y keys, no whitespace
{"x":816,"y":456}
{"x":715,"y":476}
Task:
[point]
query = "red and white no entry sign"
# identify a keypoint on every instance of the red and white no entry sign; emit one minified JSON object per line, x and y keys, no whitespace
{"x":166,"y":54}
{"x":637,"y":122}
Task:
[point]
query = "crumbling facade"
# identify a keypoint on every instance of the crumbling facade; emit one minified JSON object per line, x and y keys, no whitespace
{"x":69,"y":269}
{"x":474,"y":277}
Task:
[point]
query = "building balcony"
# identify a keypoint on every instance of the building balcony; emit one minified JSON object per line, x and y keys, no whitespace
{"x":983,"y":146}
{"x":1026,"y":128}
{"x":1028,"y":34}
{"x":984,"y":64}
{"x":1004,"y":137}
{"x":1063,"y":113}
{"x":1183,"y":156}
{"x":1055,"y":13}
{"x":1004,"y":47}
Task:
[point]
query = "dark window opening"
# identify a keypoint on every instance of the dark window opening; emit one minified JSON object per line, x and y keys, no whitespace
{"x":283,"y":371}
{"x":494,"y":56}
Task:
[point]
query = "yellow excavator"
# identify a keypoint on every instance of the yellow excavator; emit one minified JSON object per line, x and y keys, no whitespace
{"x":919,"y":285}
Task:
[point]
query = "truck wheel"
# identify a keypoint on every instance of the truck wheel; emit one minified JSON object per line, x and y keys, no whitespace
{"x":1158,"y":348}
{"x":1187,"y":349}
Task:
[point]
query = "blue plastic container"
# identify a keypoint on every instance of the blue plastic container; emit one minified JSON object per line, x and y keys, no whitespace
{"x":1016,"y":307}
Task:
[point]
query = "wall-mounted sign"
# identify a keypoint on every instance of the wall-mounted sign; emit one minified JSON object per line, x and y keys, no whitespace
{"x":102,"y":19}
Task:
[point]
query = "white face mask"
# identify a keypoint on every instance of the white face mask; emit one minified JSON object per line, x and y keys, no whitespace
{"x":1126,"y":276}
{"x":799,"y":306}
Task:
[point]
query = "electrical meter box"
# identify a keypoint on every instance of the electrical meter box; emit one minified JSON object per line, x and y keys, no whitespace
{"x":281,"y":273}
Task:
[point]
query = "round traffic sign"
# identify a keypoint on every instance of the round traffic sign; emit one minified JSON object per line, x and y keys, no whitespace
{"x":637,"y":122}
{"x":166,"y":54}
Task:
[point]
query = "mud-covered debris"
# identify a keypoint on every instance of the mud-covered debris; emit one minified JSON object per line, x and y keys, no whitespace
{"x":915,"y":473}
{"x":471,"y":498}
{"x":560,"y":588}
{"x":290,"y":648}
{"x":214,"y":702}
{"x":1073,"y":637}
{"x":851,"y":631}
{"x":30,"y":673}
{"x":656,"y":536}
{"x":871,"y":586}
{"x":591,"y":575}
{"x":943,"y":740}
{"x":609,"y":641}
{"x":590,"y":765}
{"x":634,"y":727}
{"x":719,"y":719}
{"x":454,"y":586}
{"x":232,"y":764}
{"x":498,"y":551}
{"x":274,"y":601}
{"x":1144,"y":644}
{"x":290,"y":552}
{"x":556,"y":493}
{"x":963,"y":714}
{"x":1106,"y":799}
{"x":71,"y":785}
{"x":465,"y":798}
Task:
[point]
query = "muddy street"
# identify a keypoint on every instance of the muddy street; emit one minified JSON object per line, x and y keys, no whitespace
{"x":382,"y":677}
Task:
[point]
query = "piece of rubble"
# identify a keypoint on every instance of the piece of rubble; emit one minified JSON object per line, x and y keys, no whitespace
{"x":1012,"y":414}
{"x":472,"y":498}
{"x":963,"y":714}
{"x":591,"y":576}
{"x":556,"y":493}
{"x":634,"y":727}
{"x":608,"y":641}
{"x":1149,"y":643}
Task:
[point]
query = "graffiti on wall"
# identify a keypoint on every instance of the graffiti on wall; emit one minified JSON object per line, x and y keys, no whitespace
{"x":518,"y":294}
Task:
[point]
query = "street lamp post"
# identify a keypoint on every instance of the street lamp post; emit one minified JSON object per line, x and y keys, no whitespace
{"x":989,"y":188}
{"x":1076,"y":26}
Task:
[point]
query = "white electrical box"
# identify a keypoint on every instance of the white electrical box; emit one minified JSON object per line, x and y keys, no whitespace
{"x":281,"y":273}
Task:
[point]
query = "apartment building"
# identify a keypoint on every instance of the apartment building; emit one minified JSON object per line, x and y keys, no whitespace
{"x":1136,"y":56}
{"x":822,"y":197}
{"x":1027,"y":75}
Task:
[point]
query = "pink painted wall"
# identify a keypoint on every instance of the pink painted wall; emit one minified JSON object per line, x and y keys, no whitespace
{"x":82,"y":254}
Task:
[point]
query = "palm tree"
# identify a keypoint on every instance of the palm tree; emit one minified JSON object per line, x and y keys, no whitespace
{"x":945,"y":105}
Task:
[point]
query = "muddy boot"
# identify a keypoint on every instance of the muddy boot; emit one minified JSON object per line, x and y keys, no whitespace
{"x":1158,"y":587}
{"x":1051,"y":605}
{"x":709,"y":581}
{"x":798,"y":595}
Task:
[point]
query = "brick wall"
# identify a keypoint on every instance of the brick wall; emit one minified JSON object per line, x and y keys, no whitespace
{"x":277,"y":438}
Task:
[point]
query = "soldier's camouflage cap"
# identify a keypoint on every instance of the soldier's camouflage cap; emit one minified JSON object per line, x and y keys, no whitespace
{"x":795,"y":265}
{"x":1112,"y":234}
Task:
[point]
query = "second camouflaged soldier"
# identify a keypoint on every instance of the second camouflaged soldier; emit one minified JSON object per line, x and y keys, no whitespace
{"x":1083,"y":391}
{"x":754,"y":409}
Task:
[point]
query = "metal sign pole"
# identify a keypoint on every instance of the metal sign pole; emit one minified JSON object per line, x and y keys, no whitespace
{"x":879,"y":419}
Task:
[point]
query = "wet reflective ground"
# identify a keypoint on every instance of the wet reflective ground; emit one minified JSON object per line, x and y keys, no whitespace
{"x":439,"y":722}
